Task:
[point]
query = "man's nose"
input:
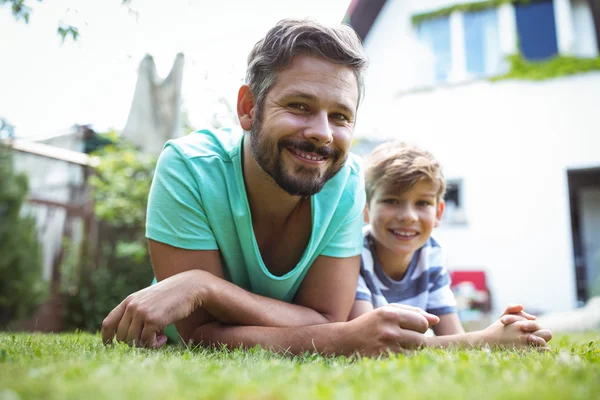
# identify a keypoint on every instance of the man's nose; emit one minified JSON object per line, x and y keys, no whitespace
{"x":319,"y":129}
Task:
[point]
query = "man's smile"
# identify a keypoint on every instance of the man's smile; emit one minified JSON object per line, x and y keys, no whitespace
{"x":313,"y":158}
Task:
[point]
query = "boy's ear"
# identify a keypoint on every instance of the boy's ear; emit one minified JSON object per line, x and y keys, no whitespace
{"x":245,"y":107}
{"x":366,"y":214}
{"x":439,"y":213}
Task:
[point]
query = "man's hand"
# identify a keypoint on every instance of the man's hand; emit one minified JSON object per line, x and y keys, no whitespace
{"x":520,"y":333}
{"x":390,"y":328}
{"x":141,"y":317}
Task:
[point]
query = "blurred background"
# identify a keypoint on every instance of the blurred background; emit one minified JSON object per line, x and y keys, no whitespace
{"x":506,"y":93}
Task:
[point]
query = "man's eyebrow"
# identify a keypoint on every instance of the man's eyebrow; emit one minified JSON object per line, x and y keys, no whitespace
{"x":310,"y":97}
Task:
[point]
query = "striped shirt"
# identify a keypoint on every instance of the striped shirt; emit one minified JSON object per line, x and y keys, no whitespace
{"x":426,"y":283}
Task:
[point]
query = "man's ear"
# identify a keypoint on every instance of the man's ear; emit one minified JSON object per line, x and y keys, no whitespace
{"x":439,"y":213}
{"x":245,"y":107}
{"x":366,"y":214}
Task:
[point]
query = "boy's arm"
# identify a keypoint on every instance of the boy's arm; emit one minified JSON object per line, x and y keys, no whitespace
{"x":359,"y":308}
{"x":449,"y":325}
{"x":522,"y":333}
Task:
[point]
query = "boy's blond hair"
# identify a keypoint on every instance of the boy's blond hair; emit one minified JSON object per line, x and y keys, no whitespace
{"x":398,"y":166}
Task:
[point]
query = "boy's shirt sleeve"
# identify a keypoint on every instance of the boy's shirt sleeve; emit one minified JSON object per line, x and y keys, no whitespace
{"x":175,"y":214}
{"x":362,"y":291}
{"x":441,"y":298}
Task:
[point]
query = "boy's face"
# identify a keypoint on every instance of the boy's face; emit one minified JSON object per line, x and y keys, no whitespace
{"x":402,"y":223}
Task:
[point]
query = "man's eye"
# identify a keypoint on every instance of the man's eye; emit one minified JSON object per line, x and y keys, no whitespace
{"x":299,"y":106}
{"x":339,"y":117}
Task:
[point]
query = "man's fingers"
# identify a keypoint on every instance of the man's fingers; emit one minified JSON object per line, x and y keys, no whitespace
{"x":161,"y":339}
{"x":431,"y":319}
{"x":413,"y":321}
{"x":148,"y":337}
{"x":111,"y":322}
{"x":410,"y":340}
{"x":123,"y":327}
{"x":135,"y":331}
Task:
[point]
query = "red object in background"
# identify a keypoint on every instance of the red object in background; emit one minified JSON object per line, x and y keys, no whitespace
{"x":476,"y":277}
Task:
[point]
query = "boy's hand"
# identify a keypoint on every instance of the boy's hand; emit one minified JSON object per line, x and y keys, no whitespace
{"x":518,"y":310}
{"x":520,"y":333}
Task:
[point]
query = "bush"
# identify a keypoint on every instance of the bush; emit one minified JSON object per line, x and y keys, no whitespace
{"x":22,"y":288}
{"x":122,"y":265}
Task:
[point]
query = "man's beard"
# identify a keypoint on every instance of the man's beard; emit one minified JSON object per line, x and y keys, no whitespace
{"x":304,"y":181}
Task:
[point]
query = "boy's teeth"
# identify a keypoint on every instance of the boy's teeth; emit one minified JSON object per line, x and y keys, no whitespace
{"x":404,"y":233}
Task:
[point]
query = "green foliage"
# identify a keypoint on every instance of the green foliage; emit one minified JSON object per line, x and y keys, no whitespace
{"x":555,"y":67}
{"x":68,"y":30}
{"x":122,"y":266}
{"x":19,"y":8}
{"x":120,"y":188}
{"x":22,"y":11}
{"x":73,"y":366}
{"x":7,"y":130}
{"x":21,"y":285}
{"x":464,"y":7}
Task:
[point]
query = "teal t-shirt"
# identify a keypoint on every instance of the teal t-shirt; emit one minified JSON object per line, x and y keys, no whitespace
{"x":198,"y":201}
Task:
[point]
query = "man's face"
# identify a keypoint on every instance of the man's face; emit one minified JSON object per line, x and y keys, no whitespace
{"x":306,"y":124}
{"x":401,"y":223}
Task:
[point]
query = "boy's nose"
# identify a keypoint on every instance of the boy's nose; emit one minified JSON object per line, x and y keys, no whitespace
{"x":406,"y":214}
{"x":319,"y":129}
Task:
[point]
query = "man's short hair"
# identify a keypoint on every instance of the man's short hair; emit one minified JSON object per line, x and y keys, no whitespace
{"x":398,"y":166}
{"x":291,"y":37}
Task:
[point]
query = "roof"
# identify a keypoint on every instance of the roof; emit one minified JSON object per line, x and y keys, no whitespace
{"x":361,"y":15}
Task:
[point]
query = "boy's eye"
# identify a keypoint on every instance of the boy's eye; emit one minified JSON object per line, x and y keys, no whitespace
{"x":390,"y":201}
{"x":423,"y":203}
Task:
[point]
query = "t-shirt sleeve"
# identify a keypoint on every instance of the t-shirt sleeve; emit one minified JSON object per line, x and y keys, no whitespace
{"x":348,"y":240}
{"x":441,"y":299}
{"x":175,"y":214}
{"x":362,"y":291}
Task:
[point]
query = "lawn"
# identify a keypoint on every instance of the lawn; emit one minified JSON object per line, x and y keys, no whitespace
{"x":77,"y":366}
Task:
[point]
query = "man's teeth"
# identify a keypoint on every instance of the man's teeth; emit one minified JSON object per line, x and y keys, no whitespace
{"x":406,"y":234}
{"x":307,"y":156}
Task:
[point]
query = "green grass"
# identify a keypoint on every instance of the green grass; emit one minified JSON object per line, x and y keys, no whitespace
{"x":77,"y":366}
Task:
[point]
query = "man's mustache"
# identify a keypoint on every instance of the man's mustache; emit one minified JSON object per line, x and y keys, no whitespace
{"x":308,"y":147}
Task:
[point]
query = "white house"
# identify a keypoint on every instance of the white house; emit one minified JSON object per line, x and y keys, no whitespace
{"x":522,"y":156}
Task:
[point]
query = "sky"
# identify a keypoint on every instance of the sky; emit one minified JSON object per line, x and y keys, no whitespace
{"x":47,"y":86}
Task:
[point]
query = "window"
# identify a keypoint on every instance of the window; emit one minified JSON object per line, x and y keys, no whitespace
{"x":537,"y":30}
{"x":435,"y":34}
{"x":482,"y":43}
{"x":454,"y":212}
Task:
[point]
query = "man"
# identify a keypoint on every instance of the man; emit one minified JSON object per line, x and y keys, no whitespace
{"x":256,"y":239}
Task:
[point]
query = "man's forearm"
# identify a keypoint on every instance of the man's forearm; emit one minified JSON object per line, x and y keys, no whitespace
{"x":231,"y":304}
{"x":324,"y":338}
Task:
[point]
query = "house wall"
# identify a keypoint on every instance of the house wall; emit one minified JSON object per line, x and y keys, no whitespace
{"x":510,"y":142}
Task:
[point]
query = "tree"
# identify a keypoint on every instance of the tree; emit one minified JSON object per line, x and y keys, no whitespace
{"x":21,"y":284}
{"x":21,"y":10}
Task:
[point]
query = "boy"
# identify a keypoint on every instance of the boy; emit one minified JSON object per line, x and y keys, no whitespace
{"x":402,"y":265}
